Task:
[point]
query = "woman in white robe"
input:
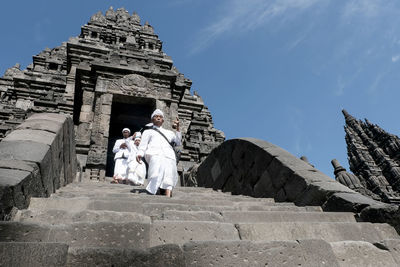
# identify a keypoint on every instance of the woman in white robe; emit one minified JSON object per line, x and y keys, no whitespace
{"x":160,"y":155}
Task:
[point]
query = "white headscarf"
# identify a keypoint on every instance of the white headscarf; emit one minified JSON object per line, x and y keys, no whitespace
{"x":126,"y":129}
{"x":157,"y":112}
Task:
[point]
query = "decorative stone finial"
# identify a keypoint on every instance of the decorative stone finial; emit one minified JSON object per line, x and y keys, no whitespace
{"x":98,"y":17}
{"x":110,"y":14}
{"x":135,"y":19}
{"x":336,"y":165}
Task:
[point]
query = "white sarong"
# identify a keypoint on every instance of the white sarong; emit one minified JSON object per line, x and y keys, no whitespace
{"x":120,"y":169}
{"x":162,"y":173}
{"x":136,"y":172}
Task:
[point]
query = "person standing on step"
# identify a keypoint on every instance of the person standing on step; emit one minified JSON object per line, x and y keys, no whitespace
{"x":157,"y":148}
{"x":121,"y":150}
{"x":136,"y":171}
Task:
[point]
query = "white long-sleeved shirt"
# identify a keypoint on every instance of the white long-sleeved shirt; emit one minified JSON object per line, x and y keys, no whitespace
{"x":122,"y":152}
{"x":153,"y":143}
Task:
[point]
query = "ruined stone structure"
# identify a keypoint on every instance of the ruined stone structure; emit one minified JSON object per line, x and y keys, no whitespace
{"x":111,"y":76}
{"x":374,"y":158}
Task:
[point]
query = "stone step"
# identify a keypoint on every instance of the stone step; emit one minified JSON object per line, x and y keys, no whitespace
{"x":328,"y":231}
{"x":132,"y":198}
{"x":176,"y":195}
{"x":110,"y":234}
{"x":33,"y":254}
{"x":177,"y":215}
{"x":155,"y":205}
{"x":211,"y":253}
{"x":56,"y":217}
{"x":286,"y":216}
{"x":81,"y":234}
{"x":258,"y":216}
{"x":108,"y":189}
{"x":274,"y":253}
{"x":166,"y":255}
{"x":176,"y":232}
{"x":361,"y":254}
{"x":157,"y":209}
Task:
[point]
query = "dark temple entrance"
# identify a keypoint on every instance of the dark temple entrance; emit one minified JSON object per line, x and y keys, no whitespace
{"x":126,"y":112}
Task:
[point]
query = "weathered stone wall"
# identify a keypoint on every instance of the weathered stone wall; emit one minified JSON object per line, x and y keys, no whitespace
{"x":36,"y":158}
{"x":258,"y":168}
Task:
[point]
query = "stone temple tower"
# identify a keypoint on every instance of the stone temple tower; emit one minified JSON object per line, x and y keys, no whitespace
{"x":113,"y":75}
{"x":374,"y":157}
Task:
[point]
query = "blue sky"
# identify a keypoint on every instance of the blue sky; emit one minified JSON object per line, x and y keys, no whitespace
{"x":278,"y":70}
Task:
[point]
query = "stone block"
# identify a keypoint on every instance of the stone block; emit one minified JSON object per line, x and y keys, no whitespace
{"x":285,"y":216}
{"x":165,"y":255}
{"x":23,"y":232}
{"x":244,"y":253}
{"x":393,"y":246}
{"x":327,"y":231}
{"x":86,"y":108}
{"x":279,"y":173}
{"x":57,"y":203}
{"x":352,"y":202}
{"x":87,"y":98}
{"x":60,"y":118}
{"x":33,"y":254}
{"x":55,"y":217}
{"x":106,"y":109}
{"x":361,"y":253}
{"x":174,"y":215}
{"x":103,"y":234}
{"x":86,"y":117}
{"x":318,"y":192}
{"x":19,"y":165}
{"x":24,"y":150}
{"x":37,"y":136}
{"x":264,"y":187}
{"x":165,"y":232}
{"x":41,"y":124}
{"x":116,"y":205}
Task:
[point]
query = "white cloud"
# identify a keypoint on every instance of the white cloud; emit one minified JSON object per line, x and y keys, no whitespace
{"x":395,"y":58}
{"x":239,"y":16}
{"x":365,"y":8}
{"x":375,"y":85}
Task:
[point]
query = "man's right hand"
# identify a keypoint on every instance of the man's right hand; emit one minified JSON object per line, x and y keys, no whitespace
{"x":139,"y":159}
{"x":123,"y":145}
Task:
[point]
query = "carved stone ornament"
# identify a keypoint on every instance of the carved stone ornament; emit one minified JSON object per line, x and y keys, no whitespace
{"x":135,"y":19}
{"x":131,"y":85}
{"x":98,"y":17}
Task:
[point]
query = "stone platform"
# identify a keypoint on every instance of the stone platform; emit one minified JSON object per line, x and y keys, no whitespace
{"x":102,"y":224}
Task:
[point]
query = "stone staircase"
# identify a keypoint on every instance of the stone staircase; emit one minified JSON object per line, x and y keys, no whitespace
{"x":102,"y":224}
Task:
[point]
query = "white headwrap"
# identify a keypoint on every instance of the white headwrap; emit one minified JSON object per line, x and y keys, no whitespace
{"x":126,"y":129}
{"x":157,"y":112}
{"x":138,"y":135}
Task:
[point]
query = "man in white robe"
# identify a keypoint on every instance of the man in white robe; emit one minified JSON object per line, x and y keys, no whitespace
{"x":121,"y":149}
{"x":136,"y":170}
{"x":160,"y":155}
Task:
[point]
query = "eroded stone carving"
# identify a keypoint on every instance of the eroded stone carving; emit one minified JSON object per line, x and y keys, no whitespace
{"x":374,"y":159}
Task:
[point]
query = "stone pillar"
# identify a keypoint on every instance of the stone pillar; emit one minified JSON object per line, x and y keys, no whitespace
{"x":97,"y":156}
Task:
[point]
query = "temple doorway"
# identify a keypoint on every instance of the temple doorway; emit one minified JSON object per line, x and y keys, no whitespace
{"x":126,"y":112}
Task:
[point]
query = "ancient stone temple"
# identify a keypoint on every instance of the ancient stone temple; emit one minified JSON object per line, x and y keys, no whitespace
{"x":113,"y":75}
{"x":374,"y":158}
